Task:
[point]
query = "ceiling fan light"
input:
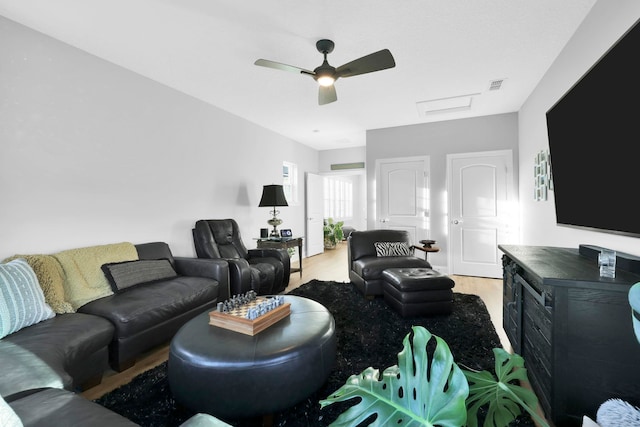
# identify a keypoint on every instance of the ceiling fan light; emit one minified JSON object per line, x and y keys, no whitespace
{"x":325,"y":80}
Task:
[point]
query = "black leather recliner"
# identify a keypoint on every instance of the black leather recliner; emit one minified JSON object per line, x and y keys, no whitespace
{"x":265,"y":271}
{"x":365,"y":267}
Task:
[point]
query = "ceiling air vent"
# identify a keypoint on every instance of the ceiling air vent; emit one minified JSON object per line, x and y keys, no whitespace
{"x":495,"y":84}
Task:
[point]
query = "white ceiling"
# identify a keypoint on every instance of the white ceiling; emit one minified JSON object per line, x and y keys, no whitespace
{"x":206,"y":48}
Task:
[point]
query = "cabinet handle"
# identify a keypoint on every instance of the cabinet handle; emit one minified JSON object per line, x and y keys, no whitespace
{"x":539,"y":297}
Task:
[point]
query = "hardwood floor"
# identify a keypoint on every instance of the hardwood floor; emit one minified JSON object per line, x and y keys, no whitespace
{"x":331,"y":265}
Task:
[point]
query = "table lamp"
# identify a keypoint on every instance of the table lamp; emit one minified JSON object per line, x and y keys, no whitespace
{"x":273,"y":195}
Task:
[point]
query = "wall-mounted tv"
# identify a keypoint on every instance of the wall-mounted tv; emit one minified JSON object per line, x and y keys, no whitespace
{"x":594,"y":139}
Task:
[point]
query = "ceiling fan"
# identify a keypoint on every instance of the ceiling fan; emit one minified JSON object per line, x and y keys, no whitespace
{"x":326,"y":75}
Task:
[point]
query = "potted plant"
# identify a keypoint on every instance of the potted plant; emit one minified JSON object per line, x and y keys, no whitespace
{"x":432,"y":390}
{"x":332,"y":233}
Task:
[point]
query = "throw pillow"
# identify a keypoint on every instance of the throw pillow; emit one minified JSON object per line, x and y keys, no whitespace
{"x":392,"y":249}
{"x":22,"y":302}
{"x":123,"y":275}
{"x":8,"y":417}
{"x":51,"y":278}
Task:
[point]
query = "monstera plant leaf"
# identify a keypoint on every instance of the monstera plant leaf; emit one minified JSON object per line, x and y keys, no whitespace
{"x":421,"y":390}
{"x":503,"y":395}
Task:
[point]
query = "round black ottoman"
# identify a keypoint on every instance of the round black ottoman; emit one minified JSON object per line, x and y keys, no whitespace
{"x":417,"y":291}
{"x":232,"y":375}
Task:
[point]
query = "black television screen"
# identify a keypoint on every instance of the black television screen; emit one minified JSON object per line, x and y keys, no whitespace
{"x":594,"y":138}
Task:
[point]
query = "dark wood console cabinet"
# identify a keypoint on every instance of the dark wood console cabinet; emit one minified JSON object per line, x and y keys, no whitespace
{"x":573,"y":329}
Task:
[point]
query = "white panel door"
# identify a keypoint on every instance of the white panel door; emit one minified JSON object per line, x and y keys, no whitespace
{"x":314,"y":207}
{"x":402,"y":196}
{"x":480,"y":188}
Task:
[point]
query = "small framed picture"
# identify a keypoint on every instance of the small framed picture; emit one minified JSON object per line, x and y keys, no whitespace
{"x":285,"y":233}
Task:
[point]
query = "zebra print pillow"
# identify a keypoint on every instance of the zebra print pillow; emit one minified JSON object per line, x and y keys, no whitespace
{"x":392,"y":249}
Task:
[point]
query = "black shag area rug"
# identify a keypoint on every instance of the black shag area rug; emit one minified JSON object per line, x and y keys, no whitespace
{"x":369,"y":333}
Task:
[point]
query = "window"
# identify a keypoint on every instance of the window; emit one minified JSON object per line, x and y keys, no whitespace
{"x":290,"y":182}
{"x":338,"y":198}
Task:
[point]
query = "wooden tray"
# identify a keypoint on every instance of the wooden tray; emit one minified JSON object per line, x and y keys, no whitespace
{"x":236,"y":322}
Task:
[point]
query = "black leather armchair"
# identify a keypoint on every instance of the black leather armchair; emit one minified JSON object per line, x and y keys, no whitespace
{"x":265,"y":271}
{"x":365,"y":267}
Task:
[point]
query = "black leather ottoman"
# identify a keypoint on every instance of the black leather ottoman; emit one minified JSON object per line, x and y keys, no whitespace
{"x":417,"y":291}
{"x":232,"y":375}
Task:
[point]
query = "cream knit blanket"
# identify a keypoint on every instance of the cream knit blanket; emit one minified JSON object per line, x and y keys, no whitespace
{"x":84,"y":280}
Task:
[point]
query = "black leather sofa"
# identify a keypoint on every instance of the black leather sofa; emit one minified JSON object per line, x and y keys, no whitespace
{"x":44,"y":364}
{"x":150,"y":314}
{"x":265,"y":271}
{"x":365,"y":267}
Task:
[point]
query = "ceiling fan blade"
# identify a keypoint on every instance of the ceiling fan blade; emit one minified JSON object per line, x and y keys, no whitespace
{"x":376,"y":61}
{"x":327,"y":94}
{"x":280,"y":66}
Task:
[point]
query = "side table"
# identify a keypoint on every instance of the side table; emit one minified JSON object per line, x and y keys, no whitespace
{"x":283,"y":243}
{"x":426,"y":250}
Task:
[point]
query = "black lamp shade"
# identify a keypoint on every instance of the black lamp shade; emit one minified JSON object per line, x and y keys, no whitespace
{"x":273,"y":195}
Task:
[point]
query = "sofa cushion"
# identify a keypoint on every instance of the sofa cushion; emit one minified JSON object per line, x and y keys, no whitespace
{"x":150,"y":304}
{"x":8,"y":418}
{"x":371,"y":268}
{"x":22,"y":302}
{"x":57,"y":353}
{"x":392,"y":249}
{"x":54,"y":407}
{"x":123,"y":275}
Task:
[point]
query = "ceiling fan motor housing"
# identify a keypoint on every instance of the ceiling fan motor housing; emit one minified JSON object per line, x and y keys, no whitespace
{"x":325,"y":46}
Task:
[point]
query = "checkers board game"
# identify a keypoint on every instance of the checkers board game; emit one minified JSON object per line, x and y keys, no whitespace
{"x":235,"y":318}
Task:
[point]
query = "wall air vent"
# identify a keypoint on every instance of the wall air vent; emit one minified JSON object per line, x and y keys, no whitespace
{"x":343,"y":166}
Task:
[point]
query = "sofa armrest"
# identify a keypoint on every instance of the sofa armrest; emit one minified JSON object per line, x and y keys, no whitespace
{"x":217,"y":269}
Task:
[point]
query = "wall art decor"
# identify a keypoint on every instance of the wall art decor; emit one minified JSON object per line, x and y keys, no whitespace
{"x":542,"y":177}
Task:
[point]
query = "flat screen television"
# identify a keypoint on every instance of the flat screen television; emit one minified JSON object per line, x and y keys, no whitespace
{"x":594,"y":139}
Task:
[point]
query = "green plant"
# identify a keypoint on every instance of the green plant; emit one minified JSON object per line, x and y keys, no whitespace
{"x":431,"y":390}
{"x":332,"y":232}
{"x":503,"y":395}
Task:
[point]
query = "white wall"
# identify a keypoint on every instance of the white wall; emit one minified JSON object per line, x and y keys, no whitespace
{"x":603,"y":26}
{"x":436,"y":140}
{"x":91,"y":153}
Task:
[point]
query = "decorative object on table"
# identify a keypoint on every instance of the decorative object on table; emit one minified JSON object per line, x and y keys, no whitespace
{"x":607,"y":263}
{"x":332,"y":233}
{"x":264,"y":233}
{"x":542,"y":177}
{"x":248,"y":313}
{"x":273,"y":196}
{"x":443,"y":394}
{"x":286,"y":233}
{"x":427,"y":243}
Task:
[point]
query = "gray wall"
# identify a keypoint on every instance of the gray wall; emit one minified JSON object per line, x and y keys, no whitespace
{"x":436,"y":140}
{"x":604,"y":25}
{"x":92,"y":153}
